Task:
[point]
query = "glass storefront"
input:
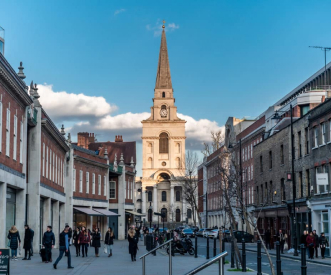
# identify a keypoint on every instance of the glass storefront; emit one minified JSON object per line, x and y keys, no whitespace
{"x":80,"y":219}
{"x":10,"y":209}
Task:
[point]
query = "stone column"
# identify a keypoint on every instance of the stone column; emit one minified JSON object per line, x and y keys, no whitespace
{"x":184,"y":210}
{"x":47,"y":215}
{"x":56,"y":221}
{"x":172,"y":196}
{"x":155,"y":200}
{"x":3,"y":206}
{"x":143,"y":200}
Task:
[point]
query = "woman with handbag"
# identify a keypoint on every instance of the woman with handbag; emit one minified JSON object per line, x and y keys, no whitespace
{"x":75,"y":238}
{"x":96,"y":237}
{"x":14,"y":241}
{"x":310,"y":244}
{"x":109,"y":241}
{"x":323,"y":242}
{"x":84,"y":240}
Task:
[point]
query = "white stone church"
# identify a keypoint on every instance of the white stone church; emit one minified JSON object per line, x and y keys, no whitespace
{"x":163,"y":140}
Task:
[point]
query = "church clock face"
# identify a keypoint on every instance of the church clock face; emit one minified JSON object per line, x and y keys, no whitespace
{"x":163,"y":112}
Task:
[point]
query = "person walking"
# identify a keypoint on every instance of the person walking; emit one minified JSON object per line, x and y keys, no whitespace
{"x":137,"y":233}
{"x":48,"y":243}
{"x":316,"y":246}
{"x":267,"y":239}
{"x":64,"y":248}
{"x":109,"y":241}
{"x":323,"y":242}
{"x":15,"y":241}
{"x":75,"y":238}
{"x":84,"y":239}
{"x":27,"y":242}
{"x":133,"y":247}
{"x":310,"y":244}
{"x":31,"y":249}
{"x":96,"y":237}
{"x":281,"y":239}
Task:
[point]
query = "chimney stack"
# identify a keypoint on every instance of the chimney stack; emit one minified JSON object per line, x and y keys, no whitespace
{"x":118,"y":139}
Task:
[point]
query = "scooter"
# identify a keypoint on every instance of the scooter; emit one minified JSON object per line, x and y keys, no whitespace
{"x":182,"y":246}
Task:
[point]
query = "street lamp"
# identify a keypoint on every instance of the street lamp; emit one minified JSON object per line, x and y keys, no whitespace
{"x":150,"y":212}
{"x":295,"y":241}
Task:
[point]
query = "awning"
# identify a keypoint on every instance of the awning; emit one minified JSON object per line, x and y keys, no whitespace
{"x":88,"y":211}
{"x":106,"y":212}
{"x":135,"y":213}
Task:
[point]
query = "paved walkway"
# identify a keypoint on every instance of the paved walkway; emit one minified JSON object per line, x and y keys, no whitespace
{"x":120,"y":263}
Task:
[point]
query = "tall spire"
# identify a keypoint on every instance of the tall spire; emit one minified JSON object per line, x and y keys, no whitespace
{"x":163,"y":77}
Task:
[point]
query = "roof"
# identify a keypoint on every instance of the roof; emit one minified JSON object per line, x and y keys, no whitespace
{"x":78,"y":148}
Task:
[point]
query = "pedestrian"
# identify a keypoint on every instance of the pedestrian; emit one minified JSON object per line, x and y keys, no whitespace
{"x":84,"y":240}
{"x":15,"y":241}
{"x":316,"y":246}
{"x":281,"y":239}
{"x":310,"y":244}
{"x":48,"y":243}
{"x":69,"y":234}
{"x":75,"y":241}
{"x":27,"y":242}
{"x":133,"y":247}
{"x":323,"y":242}
{"x":31,"y":249}
{"x":109,"y":241}
{"x":64,"y":248}
{"x":303,"y":240}
{"x":268,"y":239}
{"x":96,"y":237}
{"x":137,"y":233}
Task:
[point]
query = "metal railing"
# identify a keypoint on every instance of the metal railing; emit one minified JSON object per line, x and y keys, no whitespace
{"x":218,"y":258}
{"x":170,"y":259}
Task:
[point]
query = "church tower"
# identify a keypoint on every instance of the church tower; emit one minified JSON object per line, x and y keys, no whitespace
{"x":163,"y":140}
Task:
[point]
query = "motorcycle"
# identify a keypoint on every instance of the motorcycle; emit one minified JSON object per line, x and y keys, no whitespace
{"x":182,"y":246}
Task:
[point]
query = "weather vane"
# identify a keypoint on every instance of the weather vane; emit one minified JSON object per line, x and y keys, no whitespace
{"x":163,"y":26}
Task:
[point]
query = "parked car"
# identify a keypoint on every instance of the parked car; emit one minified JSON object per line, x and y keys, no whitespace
{"x":188,"y":232}
{"x":200,"y":232}
{"x":206,"y":232}
{"x":195,"y":228}
{"x":213,"y":234}
{"x":239,"y":235}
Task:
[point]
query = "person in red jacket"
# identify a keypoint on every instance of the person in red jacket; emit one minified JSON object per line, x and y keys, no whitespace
{"x":310,"y":244}
{"x":84,"y":240}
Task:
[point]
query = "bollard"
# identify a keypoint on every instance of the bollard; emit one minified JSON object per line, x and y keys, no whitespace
{"x":196,"y":247}
{"x":259,"y":258}
{"x":303,"y":260}
{"x":278,"y":260}
{"x":243,"y":247}
{"x":223,"y":249}
{"x":232,"y":253}
{"x":214,"y":252}
{"x":207,"y":256}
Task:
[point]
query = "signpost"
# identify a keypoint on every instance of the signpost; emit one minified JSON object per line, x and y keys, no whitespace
{"x":4,"y":261}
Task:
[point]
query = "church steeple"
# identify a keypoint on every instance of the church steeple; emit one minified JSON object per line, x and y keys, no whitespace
{"x":163,"y":77}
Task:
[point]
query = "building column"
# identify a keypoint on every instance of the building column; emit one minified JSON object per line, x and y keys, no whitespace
{"x":47,"y":215}
{"x":172,"y":195}
{"x":3,"y":206}
{"x":62,"y":217}
{"x":155,"y":200}
{"x":56,"y":221}
{"x":184,"y":210}
{"x":143,"y":200}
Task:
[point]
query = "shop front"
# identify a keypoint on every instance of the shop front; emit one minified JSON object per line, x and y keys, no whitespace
{"x":10,"y":208}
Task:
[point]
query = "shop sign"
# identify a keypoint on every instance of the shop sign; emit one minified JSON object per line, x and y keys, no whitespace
{"x":4,"y":261}
{"x":322,"y":179}
{"x":271,"y":214}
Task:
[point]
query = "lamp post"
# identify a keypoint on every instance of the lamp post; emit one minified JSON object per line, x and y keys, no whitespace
{"x":295,"y":240}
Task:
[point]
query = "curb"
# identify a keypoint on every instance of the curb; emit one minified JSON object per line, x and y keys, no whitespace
{"x":291,"y":257}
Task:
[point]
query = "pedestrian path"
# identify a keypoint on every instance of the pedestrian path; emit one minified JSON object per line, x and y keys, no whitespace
{"x":120,"y":263}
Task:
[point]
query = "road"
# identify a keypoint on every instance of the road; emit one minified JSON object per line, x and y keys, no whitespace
{"x":289,"y":266}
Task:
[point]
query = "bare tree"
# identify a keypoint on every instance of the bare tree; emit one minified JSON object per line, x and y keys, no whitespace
{"x":217,"y":139}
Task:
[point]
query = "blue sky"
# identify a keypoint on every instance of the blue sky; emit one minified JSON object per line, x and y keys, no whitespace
{"x":227,"y":58}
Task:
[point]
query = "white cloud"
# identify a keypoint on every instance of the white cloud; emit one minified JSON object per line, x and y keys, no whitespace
{"x":119,"y":11}
{"x":157,"y":27}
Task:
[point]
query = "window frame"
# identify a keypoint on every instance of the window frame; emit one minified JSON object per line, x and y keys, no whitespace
{"x":87,"y":182}
{"x":110,"y":189}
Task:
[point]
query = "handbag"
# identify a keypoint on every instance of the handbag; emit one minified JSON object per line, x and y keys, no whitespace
{"x":105,"y":250}
{"x":286,"y":246}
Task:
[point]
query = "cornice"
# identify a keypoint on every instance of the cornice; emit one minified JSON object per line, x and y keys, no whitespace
{"x":170,"y":137}
{"x":92,"y":162}
{"x":55,"y":134}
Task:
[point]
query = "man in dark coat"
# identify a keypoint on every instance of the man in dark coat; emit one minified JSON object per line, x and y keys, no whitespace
{"x":268,"y":239}
{"x":64,"y":248}
{"x":27,"y":242}
{"x":316,"y":246}
{"x":48,"y":243}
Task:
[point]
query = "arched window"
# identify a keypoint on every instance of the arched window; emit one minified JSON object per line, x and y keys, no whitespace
{"x":150,"y":163}
{"x":164,"y":211}
{"x":163,"y":148}
{"x":189,"y":213}
{"x":178,"y":162}
{"x":177,"y":147}
{"x":150,"y":213}
{"x":150,"y":198}
{"x":150,"y":148}
{"x":164,"y":196}
{"x":177,"y":195}
{"x":177,"y":215}
{"x":163,"y":94}
{"x":139,"y":211}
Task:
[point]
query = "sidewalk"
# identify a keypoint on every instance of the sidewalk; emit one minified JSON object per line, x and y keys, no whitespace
{"x":253,"y":248}
{"x":120,"y":263}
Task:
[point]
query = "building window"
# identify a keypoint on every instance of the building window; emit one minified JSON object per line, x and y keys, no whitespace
{"x":177,"y":215}
{"x":189,"y":213}
{"x":87,"y":182}
{"x":163,"y":94}
{"x":138,"y":210}
{"x":50,"y":164}
{"x":252,"y":176}
{"x":306,"y":141}
{"x":308,"y":183}
{"x":21,"y":142}
{"x":8,"y":132}
{"x":323,"y":127}
{"x":73,"y":179}
{"x":282,"y":154}
{"x":249,"y":173}
{"x":271,"y":192}
{"x":93,"y":183}
{"x":257,"y":195}
{"x":150,"y":213}
{"x":251,"y":150}
{"x":53,"y":166}
{"x":0,"y":126}
{"x":329,"y":130}
{"x":164,"y":196}
{"x":80,"y":181}
{"x":266,"y":193}
{"x":164,"y":213}
{"x":163,"y":148}
{"x":99,"y":185}
{"x":262,"y":195}
{"x":46,"y":162}
{"x":177,"y":148}
{"x":270,"y":160}
{"x":43,"y":159}
{"x":301,"y":184}
{"x":315,"y":137}
{"x":105,"y":185}
{"x":320,"y":187}
{"x":112,"y":190}
{"x":299,"y":145}
{"x":177,"y":195}
{"x":55,"y":172}
{"x":261,"y":164}
{"x":150,"y":196}
{"x":282,"y":187}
